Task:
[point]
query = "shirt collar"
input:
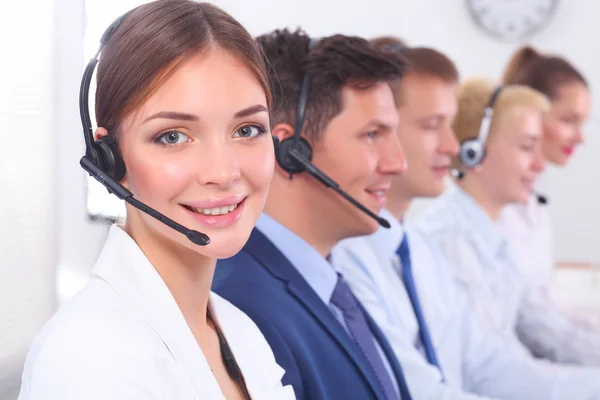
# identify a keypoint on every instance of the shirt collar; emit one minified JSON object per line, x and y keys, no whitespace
{"x":487,"y":230}
{"x":314,"y":268}
{"x":387,"y":240}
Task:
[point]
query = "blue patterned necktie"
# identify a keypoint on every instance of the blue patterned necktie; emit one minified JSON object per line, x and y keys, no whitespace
{"x":403,"y":253}
{"x":343,"y":299}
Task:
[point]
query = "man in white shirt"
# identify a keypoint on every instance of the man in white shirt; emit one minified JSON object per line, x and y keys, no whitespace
{"x":427,"y":319}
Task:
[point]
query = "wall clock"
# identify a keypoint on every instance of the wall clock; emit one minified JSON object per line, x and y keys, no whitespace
{"x":511,"y":20}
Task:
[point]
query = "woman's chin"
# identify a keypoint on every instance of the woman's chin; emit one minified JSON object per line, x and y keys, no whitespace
{"x":222,"y":244}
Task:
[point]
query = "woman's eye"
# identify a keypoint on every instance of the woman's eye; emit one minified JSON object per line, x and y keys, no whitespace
{"x":249,"y":131}
{"x":172,"y":138}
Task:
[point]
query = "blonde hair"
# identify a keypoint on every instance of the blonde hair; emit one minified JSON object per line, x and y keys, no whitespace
{"x":474,"y":95}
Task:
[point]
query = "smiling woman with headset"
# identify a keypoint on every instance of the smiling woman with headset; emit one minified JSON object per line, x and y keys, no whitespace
{"x":182,"y":107}
{"x":569,"y":94}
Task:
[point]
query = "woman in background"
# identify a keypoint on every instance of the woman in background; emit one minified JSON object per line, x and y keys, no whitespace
{"x":182,"y":95}
{"x":548,"y":330}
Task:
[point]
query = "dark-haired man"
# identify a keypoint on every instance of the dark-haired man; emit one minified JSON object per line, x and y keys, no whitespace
{"x":320,"y":334}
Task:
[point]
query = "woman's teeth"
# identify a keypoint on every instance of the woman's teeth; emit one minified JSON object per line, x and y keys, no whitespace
{"x":216,"y":210}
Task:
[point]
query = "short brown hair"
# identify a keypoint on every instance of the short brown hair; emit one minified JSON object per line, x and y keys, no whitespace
{"x":424,"y":61}
{"x":389,"y":43}
{"x":152,"y":41}
{"x":544,"y":73}
{"x":334,"y":63}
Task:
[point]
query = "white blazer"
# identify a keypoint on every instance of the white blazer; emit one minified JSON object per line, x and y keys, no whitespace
{"x":123,"y":337}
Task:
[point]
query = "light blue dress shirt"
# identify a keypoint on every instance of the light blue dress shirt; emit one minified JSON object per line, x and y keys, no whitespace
{"x":475,"y":361}
{"x":481,"y":258}
{"x":319,"y":273}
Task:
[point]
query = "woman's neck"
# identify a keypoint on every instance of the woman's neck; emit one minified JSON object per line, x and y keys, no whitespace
{"x":491,"y":207}
{"x":187,"y":274}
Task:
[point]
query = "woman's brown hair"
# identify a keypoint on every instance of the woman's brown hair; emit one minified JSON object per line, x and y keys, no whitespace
{"x":544,"y":73}
{"x":156,"y":38}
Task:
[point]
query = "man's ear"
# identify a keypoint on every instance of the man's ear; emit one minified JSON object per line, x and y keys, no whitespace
{"x":283,"y":131}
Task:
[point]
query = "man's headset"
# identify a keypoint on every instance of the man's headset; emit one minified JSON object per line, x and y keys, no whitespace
{"x":295,"y":153}
{"x":102,"y":159}
{"x":472,"y":151}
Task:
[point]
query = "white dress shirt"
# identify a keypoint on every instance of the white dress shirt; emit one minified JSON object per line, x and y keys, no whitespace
{"x":123,"y":337}
{"x":547,"y":329}
{"x":475,"y":361}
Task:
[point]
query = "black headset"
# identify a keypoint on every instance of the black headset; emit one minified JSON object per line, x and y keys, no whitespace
{"x":472,"y":151}
{"x":296,"y":143}
{"x":295,"y":153}
{"x":102,"y":159}
{"x":103,"y":153}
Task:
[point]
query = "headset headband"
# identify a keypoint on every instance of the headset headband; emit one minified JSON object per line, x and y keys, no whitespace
{"x":488,"y":113}
{"x":84,"y":89}
{"x":303,"y":100}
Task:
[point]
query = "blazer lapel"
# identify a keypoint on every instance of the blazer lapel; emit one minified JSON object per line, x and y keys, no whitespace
{"x":127,"y":270}
{"x":280,"y":267}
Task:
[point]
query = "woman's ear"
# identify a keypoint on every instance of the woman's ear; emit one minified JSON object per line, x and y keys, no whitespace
{"x":100,"y":132}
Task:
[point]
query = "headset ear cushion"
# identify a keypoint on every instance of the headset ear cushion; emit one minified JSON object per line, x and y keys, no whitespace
{"x":276,"y":146}
{"x":471,"y":153}
{"x":111,"y":161}
{"x":287,"y":162}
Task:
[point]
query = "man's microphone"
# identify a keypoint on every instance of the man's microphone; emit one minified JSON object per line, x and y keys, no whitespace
{"x":330,"y":183}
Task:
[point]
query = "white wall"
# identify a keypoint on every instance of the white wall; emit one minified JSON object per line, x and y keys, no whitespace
{"x":444,"y":24}
{"x":27,"y":208}
{"x":79,"y":238}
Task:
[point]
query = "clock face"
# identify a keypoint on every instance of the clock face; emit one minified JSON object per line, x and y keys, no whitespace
{"x":511,"y":19}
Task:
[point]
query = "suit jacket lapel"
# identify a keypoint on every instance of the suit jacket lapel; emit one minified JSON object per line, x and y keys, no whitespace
{"x":279,"y":266}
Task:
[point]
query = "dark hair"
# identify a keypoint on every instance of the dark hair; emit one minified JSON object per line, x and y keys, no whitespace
{"x":428,"y":61}
{"x":389,"y":43}
{"x":545,"y":73}
{"x":334,"y":63}
{"x":153,"y":41}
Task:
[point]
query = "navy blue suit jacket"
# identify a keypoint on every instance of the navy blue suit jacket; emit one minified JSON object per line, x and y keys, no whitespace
{"x":320,"y":359}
